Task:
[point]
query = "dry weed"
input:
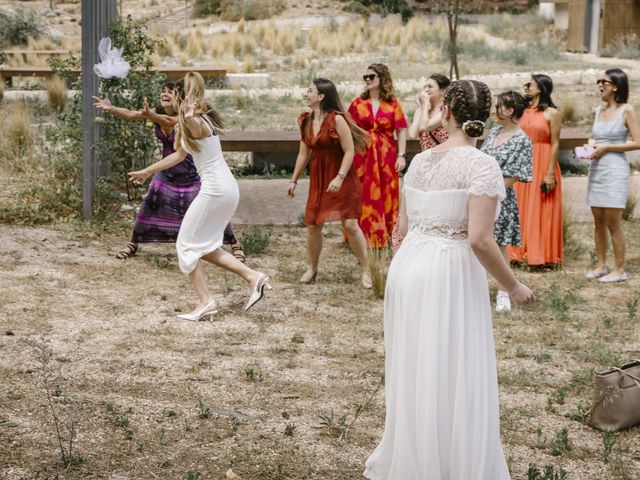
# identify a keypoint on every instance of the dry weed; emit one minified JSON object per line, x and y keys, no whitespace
{"x":18,"y":127}
{"x":1,"y":90}
{"x":56,"y":92}
{"x":632,"y":201}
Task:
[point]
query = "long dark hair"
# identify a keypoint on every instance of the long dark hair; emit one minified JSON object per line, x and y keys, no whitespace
{"x":513,"y":100}
{"x":621,"y":82}
{"x":332,"y":103}
{"x":386,"y":84}
{"x":545,"y":84}
{"x":442,"y":80}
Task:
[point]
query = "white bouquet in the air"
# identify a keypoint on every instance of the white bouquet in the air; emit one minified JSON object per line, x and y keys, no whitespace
{"x":111,"y":65}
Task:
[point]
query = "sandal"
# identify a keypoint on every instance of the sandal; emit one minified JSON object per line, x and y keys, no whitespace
{"x":237,"y":251}
{"x":128,"y":251}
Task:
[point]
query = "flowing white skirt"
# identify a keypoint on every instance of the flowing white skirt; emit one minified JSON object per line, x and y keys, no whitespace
{"x":441,"y":388}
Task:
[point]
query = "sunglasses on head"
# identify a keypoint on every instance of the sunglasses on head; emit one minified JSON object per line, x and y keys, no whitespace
{"x":603,"y":81}
{"x":369,"y":77}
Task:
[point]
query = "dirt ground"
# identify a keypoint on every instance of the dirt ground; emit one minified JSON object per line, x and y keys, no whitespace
{"x":289,"y":390}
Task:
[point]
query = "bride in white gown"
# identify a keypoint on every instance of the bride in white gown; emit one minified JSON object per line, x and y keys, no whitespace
{"x":442,"y":420}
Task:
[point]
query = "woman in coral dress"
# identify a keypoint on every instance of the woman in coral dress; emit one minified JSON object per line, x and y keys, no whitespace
{"x":540,"y":202}
{"x":378,"y":112}
{"x":329,"y":140}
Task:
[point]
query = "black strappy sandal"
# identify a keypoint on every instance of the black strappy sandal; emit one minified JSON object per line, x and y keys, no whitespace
{"x":237,"y":251}
{"x":128,"y":251}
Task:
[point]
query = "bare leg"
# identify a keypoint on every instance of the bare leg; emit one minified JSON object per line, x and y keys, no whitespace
{"x":314,"y":248}
{"x":359,"y":246}
{"x":600,"y":236}
{"x":230,"y":263}
{"x":198,"y":278}
{"x":614,"y":224}
{"x":505,"y":255}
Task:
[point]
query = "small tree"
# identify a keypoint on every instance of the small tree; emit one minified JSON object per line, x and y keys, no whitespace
{"x":452,"y":18}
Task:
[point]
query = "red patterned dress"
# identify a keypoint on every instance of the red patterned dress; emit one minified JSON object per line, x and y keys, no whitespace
{"x":324,"y":165}
{"x":375,"y":168}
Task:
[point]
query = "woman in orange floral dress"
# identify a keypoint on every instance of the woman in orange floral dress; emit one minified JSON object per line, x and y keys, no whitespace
{"x":378,"y":112}
{"x":540,"y":202}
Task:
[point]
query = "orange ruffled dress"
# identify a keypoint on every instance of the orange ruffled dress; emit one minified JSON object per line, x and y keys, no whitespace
{"x":375,"y":168}
{"x":324,"y":165}
{"x":540,"y":213}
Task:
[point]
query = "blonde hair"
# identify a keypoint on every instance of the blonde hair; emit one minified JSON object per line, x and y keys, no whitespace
{"x":192,"y":89}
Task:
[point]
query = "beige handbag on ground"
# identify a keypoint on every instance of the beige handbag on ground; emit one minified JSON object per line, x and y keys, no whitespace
{"x":616,"y":399}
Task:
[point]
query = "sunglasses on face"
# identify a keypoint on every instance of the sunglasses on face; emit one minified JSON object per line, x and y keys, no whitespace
{"x":369,"y":77}
{"x":603,"y":81}
{"x":528,"y":85}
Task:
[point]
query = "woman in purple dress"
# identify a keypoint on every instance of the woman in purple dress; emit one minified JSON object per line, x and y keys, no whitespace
{"x":170,"y":191}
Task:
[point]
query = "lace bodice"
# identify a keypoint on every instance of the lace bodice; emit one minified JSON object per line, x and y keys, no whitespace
{"x":437,"y":187}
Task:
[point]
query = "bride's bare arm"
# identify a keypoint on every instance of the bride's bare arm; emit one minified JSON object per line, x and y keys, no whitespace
{"x":482,"y":211}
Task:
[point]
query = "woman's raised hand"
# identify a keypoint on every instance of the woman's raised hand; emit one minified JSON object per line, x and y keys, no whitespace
{"x":103,"y":103}
{"x":189,"y":107}
{"x":146,"y":111}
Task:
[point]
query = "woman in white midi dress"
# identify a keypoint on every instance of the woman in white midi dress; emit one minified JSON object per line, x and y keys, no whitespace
{"x":609,"y":171}
{"x":442,"y":420}
{"x":202,"y":229}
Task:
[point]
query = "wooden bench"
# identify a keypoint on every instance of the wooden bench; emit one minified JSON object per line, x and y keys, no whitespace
{"x":289,"y":142}
{"x":38,"y":53}
{"x":7,"y":73}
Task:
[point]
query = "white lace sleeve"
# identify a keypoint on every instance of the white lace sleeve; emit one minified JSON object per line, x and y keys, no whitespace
{"x":486,"y":178}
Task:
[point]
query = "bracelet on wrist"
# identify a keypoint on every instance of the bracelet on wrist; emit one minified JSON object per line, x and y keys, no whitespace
{"x":342,"y":175}
{"x":293,"y":181}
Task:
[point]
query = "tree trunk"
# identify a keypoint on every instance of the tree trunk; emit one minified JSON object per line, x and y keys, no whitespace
{"x":452,"y":18}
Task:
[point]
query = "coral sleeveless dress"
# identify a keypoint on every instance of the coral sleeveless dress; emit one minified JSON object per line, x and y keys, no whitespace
{"x":540,"y":213}
{"x":324,"y":165}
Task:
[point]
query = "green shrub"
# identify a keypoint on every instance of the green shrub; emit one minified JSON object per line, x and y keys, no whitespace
{"x":234,"y":10}
{"x":255,"y":240}
{"x":55,"y":194}
{"x":15,"y":29}
{"x":202,"y":8}
{"x":357,"y":7}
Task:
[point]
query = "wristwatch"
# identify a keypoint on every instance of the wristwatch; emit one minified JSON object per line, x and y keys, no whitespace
{"x":402,"y":154}
{"x":342,"y":175}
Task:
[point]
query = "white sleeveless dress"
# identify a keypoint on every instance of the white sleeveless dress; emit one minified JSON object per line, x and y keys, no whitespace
{"x":441,"y":385}
{"x":203,"y":225}
{"x":609,"y":175}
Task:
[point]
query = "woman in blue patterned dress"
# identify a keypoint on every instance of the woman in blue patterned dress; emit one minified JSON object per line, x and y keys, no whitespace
{"x":511,"y":147}
{"x":170,"y":191}
{"x":609,"y":171}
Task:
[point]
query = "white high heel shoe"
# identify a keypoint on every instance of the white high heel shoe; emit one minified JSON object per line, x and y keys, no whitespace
{"x":258,"y":291}
{"x":209,"y":309}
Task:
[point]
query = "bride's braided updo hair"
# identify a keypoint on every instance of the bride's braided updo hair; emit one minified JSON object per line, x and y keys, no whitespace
{"x":470,"y":104}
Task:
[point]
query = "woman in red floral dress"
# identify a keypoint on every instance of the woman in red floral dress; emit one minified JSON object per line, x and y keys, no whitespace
{"x":378,"y":112}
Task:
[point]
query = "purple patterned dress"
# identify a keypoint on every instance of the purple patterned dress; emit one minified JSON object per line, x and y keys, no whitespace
{"x":171,"y":191}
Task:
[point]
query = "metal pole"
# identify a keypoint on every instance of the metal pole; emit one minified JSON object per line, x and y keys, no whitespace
{"x":97,"y":16}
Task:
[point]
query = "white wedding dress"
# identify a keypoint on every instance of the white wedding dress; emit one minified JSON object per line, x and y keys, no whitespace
{"x":441,"y":386}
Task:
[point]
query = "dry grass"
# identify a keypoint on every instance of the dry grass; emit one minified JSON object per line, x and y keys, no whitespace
{"x":17,"y":127}
{"x":632,"y":202}
{"x":56,"y":92}
{"x":1,"y":90}
{"x":275,"y":393}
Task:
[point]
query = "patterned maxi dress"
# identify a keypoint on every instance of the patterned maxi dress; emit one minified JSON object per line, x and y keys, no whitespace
{"x":375,"y":168}
{"x":324,"y":165}
{"x":540,"y":213}
{"x":170,"y":193}
{"x":514,"y":158}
